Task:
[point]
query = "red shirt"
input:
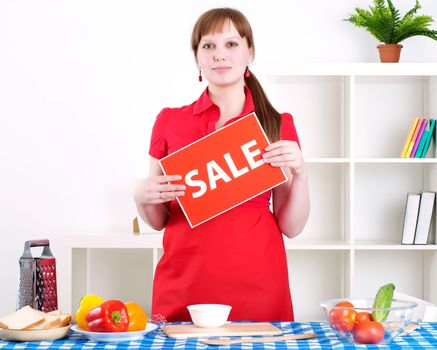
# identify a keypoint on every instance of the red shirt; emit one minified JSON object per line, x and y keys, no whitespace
{"x":237,"y":258}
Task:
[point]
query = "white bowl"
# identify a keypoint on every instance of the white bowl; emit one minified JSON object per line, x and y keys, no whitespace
{"x":209,"y":315}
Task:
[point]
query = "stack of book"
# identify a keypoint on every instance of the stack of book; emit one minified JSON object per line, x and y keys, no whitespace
{"x":419,"y":138}
{"x":419,"y":214}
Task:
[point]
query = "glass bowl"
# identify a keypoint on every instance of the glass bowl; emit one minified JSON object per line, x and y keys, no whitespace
{"x":350,"y":322}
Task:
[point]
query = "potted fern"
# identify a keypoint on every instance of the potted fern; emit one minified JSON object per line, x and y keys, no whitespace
{"x":384,"y":22}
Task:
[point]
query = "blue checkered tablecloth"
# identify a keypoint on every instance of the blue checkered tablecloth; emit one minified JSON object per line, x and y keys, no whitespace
{"x":423,"y":338}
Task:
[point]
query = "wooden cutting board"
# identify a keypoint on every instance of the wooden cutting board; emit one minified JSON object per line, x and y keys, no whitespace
{"x":229,"y":329}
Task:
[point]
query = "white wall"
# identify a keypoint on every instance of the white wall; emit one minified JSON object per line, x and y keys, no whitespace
{"x":82,"y":81}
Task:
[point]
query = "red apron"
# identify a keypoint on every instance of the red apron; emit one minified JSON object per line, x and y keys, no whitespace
{"x":237,"y":258}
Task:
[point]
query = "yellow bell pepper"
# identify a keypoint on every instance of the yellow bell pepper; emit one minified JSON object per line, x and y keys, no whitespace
{"x":137,"y":317}
{"x":88,"y":302}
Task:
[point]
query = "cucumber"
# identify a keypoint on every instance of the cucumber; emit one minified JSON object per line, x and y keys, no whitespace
{"x":383,"y":299}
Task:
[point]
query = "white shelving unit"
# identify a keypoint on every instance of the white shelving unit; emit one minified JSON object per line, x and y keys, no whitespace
{"x":352,"y":120}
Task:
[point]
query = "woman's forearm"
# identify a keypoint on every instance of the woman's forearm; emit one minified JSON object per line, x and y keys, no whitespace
{"x":155,"y":215}
{"x":291,"y":202}
{"x":293,"y":213}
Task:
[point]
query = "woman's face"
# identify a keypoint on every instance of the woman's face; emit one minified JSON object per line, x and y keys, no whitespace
{"x":223,"y":56}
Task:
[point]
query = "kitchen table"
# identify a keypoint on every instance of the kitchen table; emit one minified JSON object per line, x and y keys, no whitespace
{"x":423,"y":338}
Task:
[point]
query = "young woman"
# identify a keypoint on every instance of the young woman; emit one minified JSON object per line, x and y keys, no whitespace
{"x":237,"y":258}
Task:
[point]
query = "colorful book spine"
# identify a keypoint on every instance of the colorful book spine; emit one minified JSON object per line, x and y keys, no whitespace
{"x":408,"y":139}
{"x":424,"y":138}
{"x":431,"y":132}
{"x":419,"y":136}
{"x":413,"y":139}
{"x":422,"y":143}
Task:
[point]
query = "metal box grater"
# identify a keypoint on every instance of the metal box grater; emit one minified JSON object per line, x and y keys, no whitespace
{"x":37,"y":286}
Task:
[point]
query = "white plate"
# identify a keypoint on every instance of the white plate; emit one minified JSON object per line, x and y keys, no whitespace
{"x":115,"y":336}
{"x":34,"y":335}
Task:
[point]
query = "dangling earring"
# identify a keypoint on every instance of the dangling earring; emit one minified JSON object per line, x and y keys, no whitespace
{"x":200,"y":75}
{"x":247,"y":73}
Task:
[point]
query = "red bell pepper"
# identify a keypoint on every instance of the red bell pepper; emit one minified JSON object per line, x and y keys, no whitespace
{"x":110,"y":316}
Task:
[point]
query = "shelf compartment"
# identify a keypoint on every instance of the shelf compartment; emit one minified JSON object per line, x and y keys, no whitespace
{"x":327,"y":220}
{"x":382,"y":115}
{"x":318,"y":108}
{"x":127,"y":274}
{"x":316,"y":276}
{"x":380,"y":194}
{"x":403,"y":268}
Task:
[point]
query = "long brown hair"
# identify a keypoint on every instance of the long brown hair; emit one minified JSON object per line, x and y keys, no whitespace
{"x":212,"y":21}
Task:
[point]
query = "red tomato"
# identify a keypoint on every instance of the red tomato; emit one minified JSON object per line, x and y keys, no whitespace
{"x":368,"y":332}
{"x":363,"y":317}
{"x":341,"y":319}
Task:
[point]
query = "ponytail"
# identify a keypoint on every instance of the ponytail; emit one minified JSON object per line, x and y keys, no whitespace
{"x":268,"y":116}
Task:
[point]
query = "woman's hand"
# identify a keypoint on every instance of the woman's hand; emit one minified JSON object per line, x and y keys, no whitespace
{"x":285,"y":154}
{"x":156,"y":189}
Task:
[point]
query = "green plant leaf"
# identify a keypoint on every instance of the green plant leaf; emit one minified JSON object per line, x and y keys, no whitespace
{"x":414,"y":26}
{"x":383,"y":21}
{"x":394,"y":19}
{"x":429,"y":33}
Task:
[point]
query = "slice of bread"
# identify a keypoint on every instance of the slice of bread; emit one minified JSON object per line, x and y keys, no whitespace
{"x":65,"y":320}
{"x":53,"y":319}
{"x":50,"y":321}
{"x":22,"y":319}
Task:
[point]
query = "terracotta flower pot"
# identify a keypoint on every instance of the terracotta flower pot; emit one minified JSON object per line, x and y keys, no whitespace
{"x":389,"y":52}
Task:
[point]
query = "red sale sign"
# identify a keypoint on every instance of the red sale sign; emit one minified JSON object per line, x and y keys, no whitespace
{"x":222,"y":169}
